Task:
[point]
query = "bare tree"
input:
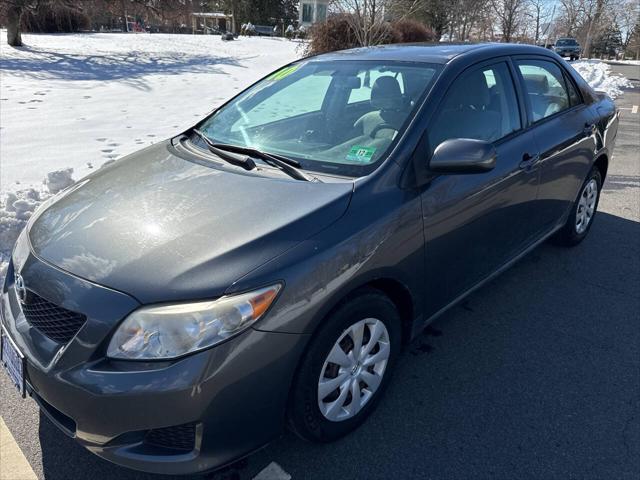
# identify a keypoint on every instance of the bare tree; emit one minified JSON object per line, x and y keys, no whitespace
{"x":509,"y":14}
{"x":539,"y":11}
{"x":368,"y":18}
{"x":593,"y":10}
{"x":571,"y":12}
{"x":627,"y":15}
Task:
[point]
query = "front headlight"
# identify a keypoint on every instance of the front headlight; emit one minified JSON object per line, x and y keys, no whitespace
{"x":169,"y":331}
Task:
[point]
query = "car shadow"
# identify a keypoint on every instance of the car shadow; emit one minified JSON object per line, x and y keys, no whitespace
{"x":535,"y":375}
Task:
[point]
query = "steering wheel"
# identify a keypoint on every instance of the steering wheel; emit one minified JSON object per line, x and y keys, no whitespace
{"x":382,"y":126}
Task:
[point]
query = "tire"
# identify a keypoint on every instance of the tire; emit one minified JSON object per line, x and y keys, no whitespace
{"x":340,"y":415}
{"x":574,"y":231}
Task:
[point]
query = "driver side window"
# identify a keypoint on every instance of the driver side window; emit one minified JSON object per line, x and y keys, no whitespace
{"x":480,"y":105}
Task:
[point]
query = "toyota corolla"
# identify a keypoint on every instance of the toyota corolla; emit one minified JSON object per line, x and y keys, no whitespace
{"x":175,"y":310}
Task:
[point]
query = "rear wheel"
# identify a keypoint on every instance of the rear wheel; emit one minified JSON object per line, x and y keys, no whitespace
{"x":346,"y":368}
{"x":583,"y":211}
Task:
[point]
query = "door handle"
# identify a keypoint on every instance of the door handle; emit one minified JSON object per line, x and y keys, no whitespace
{"x":529,"y":161}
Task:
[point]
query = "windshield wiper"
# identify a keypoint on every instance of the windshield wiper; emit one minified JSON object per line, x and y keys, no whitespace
{"x":243,"y":161}
{"x":288,"y":165}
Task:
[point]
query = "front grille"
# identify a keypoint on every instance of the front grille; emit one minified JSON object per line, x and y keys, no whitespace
{"x":57,"y":323}
{"x":180,"y":437}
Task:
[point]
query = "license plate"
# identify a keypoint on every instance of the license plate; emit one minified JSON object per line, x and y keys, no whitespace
{"x":13,"y":361}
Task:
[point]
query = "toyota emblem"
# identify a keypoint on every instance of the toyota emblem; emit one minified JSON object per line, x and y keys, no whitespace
{"x":21,"y":289}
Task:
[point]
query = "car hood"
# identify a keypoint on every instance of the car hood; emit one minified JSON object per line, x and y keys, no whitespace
{"x":162,"y":228}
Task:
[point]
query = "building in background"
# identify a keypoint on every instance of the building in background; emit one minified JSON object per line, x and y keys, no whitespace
{"x":212,"y":22}
{"x":312,"y":11}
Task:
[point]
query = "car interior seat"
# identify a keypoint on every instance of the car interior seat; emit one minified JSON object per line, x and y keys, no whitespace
{"x":467,"y":113}
{"x":386,"y":101}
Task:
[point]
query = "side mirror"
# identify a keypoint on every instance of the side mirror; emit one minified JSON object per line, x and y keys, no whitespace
{"x":463,"y":155}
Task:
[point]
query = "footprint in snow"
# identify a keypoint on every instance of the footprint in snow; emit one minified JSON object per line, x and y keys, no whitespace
{"x":86,"y":96}
{"x":114,"y":144}
{"x":39,"y":93}
{"x":107,"y":150}
{"x":129,"y":126}
{"x":151,"y":135}
{"x":102,"y":139}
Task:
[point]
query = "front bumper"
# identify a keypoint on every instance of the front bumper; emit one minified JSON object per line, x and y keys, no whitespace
{"x":567,"y":52}
{"x":235,"y":393}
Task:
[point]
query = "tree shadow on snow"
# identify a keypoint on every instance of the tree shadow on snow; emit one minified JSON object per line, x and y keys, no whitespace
{"x":126,"y":67}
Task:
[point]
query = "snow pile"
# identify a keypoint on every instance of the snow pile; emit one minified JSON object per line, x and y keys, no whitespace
{"x":59,"y":180}
{"x":17,"y":207}
{"x":598,"y":75}
{"x":15,"y":210}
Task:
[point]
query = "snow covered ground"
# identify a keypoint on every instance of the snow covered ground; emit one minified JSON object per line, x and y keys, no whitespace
{"x":599,"y":76}
{"x":70,"y":103}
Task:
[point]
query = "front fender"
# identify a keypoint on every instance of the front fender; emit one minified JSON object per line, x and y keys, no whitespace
{"x":381,"y":237}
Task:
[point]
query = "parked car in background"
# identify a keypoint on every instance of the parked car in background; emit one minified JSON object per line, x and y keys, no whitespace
{"x":265,"y":30}
{"x":173,"y":311}
{"x":567,"y":47}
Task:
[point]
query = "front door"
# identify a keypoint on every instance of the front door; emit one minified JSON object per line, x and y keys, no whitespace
{"x":475,"y":223}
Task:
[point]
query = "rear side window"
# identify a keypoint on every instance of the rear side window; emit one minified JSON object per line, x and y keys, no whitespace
{"x":480,"y":104}
{"x":545,"y":87}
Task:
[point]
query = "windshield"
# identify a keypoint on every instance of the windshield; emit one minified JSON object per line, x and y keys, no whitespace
{"x":337,"y":117}
{"x":566,"y":42}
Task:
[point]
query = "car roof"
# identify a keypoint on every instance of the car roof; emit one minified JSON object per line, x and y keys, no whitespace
{"x":431,"y":53}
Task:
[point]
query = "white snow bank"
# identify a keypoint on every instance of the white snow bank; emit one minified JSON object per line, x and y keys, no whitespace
{"x":598,"y":75}
{"x":15,"y":210}
{"x":59,"y":180}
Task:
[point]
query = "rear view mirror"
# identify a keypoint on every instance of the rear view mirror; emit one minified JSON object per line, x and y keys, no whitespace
{"x":463,"y":155}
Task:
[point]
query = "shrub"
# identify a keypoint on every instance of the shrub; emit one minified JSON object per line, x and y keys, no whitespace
{"x":337,"y":33}
{"x":409,"y":31}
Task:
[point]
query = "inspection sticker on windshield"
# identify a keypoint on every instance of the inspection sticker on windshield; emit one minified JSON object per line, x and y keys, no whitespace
{"x":284,"y":72}
{"x":361,"y":154}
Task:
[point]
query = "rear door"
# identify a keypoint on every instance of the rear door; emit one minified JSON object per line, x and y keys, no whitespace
{"x":475,"y":223}
{"x":564,"y":131}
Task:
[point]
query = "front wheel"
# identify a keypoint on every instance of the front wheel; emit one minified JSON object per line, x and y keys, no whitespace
{"x":583,"y":211}
{"x":346,"y":368}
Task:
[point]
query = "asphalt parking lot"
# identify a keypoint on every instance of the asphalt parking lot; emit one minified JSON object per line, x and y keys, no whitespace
{"x":536,"y":375}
